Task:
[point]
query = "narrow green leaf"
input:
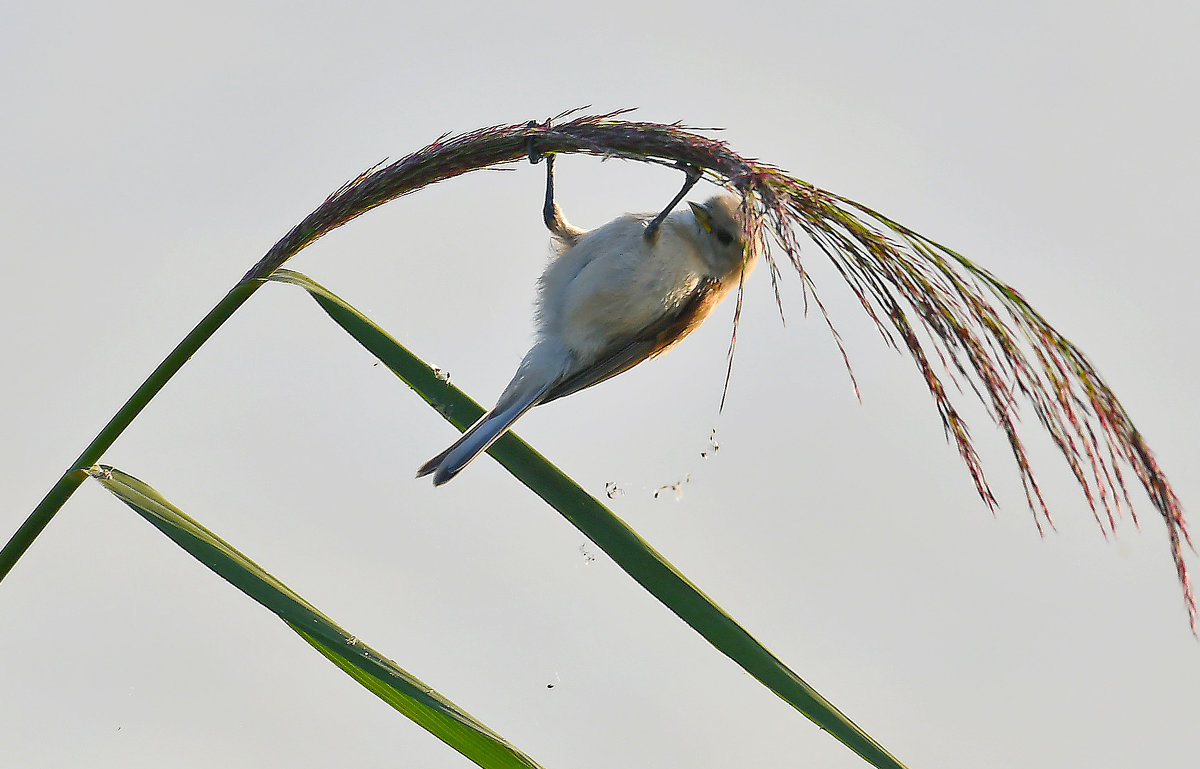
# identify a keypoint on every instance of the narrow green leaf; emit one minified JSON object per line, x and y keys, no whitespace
{"x":389,"y":682}
{"x":599,"y":524}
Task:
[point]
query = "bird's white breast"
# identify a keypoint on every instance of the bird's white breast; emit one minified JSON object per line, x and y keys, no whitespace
{"x":613,"y":283}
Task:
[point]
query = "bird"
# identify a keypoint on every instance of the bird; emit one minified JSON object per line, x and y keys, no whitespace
{"x":612,"y":297}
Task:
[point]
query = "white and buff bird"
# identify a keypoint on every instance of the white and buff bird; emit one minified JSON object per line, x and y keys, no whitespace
{"x":612,"y":298}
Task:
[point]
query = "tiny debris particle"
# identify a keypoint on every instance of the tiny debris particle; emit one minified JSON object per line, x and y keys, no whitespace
{"x":676,"y":487}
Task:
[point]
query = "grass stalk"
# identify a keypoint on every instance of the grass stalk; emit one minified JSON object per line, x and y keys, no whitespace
{"x":954,"y":319}
{"x":77,"y":472}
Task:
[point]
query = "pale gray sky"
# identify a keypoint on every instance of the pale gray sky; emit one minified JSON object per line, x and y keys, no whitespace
{"x":154,"y":151}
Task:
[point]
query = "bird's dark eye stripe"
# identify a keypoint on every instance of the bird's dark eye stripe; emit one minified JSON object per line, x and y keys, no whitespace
{"x":724,"y":237}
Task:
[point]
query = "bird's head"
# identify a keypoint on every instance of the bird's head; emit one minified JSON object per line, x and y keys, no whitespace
{"x":726,"y":228}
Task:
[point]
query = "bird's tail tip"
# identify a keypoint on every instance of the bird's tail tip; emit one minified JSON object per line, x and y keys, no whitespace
{"x":441,"y":474}
{"x":446,"y":465}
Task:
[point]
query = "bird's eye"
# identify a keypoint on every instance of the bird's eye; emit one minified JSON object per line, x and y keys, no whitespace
{"x":724,"y":237}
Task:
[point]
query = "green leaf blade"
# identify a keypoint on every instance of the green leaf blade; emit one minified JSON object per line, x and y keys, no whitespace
{"x":395,"y":686}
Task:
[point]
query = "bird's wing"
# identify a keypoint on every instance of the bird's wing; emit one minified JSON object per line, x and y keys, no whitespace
{"x":653,"y":340}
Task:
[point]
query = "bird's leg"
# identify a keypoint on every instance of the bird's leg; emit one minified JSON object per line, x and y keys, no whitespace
{"x":552,"y":215}
{"x":693,"y":175}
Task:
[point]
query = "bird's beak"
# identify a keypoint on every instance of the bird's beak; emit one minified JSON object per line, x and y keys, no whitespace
{"x":702,"y":216}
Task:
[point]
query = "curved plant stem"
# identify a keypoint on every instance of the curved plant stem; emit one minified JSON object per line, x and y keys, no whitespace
{"x":77,"y":473}
{"x":965,"y":330}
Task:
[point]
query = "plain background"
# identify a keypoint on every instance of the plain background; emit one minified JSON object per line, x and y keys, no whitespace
{"x":154,"y":151}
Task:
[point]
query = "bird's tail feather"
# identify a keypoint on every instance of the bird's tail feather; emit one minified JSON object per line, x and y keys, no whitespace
{"x":479,"y":437}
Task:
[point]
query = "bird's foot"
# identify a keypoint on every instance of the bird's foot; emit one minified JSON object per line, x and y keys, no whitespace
{"x":692,"y":174}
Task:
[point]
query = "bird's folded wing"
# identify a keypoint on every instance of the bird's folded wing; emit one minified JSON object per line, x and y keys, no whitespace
{"x":654,"y":339}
